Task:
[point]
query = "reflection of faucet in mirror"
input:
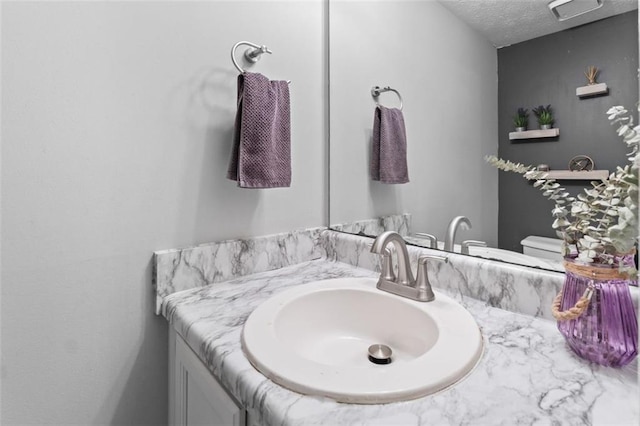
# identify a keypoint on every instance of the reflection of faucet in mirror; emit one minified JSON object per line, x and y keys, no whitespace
{"x":433,"y":241}
{"x":471,"y":243}
{"x":404,"y":285}
{"x":458,"y":221}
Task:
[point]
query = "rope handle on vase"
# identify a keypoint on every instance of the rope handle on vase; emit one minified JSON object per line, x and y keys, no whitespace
{"x":578,"y":309}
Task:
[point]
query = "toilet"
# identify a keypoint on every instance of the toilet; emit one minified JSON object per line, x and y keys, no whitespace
{"x":542,"y":247}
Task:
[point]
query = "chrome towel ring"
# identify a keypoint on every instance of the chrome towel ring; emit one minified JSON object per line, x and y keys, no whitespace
{"x":376,"y":90}
{"x":251,"y":55}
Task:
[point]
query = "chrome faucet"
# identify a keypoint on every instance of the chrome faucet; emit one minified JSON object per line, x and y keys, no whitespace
{"x":405,"y":276}
{"x":458,"y":221}
{"x":404,"y":284}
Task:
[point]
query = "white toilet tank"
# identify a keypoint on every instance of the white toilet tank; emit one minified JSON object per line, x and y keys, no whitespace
{"x":542,"y":247}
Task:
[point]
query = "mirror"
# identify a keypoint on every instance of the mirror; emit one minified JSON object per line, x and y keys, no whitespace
{"x":459,"y":94}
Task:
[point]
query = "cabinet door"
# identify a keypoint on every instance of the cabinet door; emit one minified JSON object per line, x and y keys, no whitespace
{"x":197,"y":398}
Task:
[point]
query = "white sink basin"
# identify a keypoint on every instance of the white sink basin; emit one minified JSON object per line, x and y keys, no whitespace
{"x":314,"y":338}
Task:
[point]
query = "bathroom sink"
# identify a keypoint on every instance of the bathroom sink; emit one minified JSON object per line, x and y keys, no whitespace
{"x":315,"y":339}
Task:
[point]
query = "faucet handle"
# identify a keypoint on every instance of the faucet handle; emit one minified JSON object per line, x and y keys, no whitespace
{"x":387,"y":267}
{"x":469,"y":243}
{"x":425,"y":292}
{"x":433,"y":241}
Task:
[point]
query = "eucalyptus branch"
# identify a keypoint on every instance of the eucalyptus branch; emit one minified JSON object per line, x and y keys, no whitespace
{"x":507,"y":165}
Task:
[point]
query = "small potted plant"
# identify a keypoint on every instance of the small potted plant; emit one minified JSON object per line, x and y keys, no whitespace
{"x":521,"y":119}
{"x":544,"y":116}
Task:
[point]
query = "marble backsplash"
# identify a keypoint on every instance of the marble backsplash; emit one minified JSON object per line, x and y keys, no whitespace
{"x":511,"y":287}
{"x":192,"y":267}
{"x":515,"y":288}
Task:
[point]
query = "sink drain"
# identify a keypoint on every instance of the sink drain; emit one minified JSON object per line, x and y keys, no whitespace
{"x":380,"y":354}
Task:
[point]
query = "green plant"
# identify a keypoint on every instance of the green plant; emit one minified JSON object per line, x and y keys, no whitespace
{"x":521,"y":119}
{"x":544,"y":115}
{"x":545,"y":118}
{"x":601,"y":223}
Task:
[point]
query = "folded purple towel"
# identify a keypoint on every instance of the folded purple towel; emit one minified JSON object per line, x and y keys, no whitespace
{"x":389,"y":155}
{"x":261,"y":156}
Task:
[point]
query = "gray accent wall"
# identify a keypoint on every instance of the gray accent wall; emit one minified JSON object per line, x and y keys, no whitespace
{"x":547,"y":70}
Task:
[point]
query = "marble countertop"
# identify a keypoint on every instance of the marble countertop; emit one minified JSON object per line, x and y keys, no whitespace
{"x":527,"y":374}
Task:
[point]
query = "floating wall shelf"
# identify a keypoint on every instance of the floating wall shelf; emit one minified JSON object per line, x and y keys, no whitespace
{"x":534,"y":134}
{"x":578,"y":175}
{"x":592,"y":90}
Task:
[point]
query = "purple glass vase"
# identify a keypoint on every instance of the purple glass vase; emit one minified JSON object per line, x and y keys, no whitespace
{"x":607,"y":332}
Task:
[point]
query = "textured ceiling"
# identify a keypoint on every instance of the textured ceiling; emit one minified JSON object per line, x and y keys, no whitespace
{"x":505,"y":22}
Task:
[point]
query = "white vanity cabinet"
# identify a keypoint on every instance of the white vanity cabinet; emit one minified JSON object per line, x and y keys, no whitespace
{"x":195,"y":396}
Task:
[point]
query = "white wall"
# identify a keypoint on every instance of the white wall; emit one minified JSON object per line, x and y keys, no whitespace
{"x":447,"y":76}
{"x":116,"y":135}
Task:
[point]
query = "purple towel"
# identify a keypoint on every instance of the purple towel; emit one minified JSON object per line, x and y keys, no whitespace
{"x":261,"y":156}
{"x":389,"y":155}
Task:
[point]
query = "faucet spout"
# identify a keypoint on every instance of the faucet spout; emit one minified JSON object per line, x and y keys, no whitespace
{"x":458,"y":221}
{"x":405,"y":276}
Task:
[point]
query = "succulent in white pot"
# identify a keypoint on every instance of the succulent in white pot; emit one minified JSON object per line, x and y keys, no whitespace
{"x":544,"y":115}
{"x":521,"y":119}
